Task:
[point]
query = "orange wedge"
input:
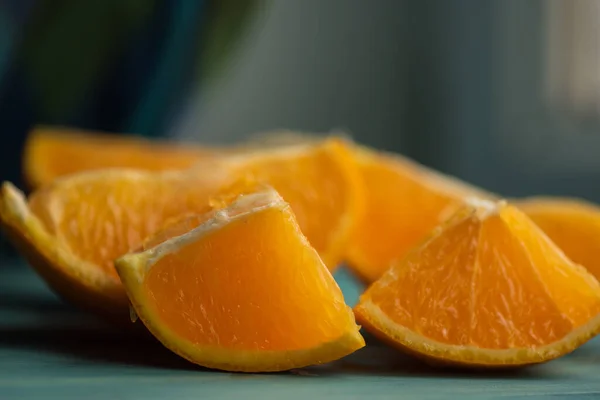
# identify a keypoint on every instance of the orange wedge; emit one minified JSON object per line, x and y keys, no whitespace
{"x":487,"y":288}
{"x":404,"y":201}
{"x":242,"y":291}
{"x":73,"y":229}
{"x":573,"y":224}
{"x":54,"y":152}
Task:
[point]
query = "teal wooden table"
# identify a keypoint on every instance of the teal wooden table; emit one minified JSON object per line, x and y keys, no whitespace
{"x":48,"y":350}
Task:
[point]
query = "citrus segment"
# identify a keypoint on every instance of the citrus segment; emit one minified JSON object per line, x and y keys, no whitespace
{"x":487,"y":288}
{"x":403,"y":202}
{"x":101,"y":215}
{"x":572,"y":224}
{"x":54,"y":152}
{"x":242,"y":291}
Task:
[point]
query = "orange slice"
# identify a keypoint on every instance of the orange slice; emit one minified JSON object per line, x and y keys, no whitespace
{"x":53,"y":152}
{"x":573,"y":224}
{"x":242,"y":291}
{"x":73,"y":229}
{"x":488,"y":288}
{"x":404,"y":202}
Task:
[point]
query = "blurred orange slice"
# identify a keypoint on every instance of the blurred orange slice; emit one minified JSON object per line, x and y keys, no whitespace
{"x":54,"y":152}
{"x":404,"y":201}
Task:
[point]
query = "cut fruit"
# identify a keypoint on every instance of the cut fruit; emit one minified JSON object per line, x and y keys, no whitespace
{"x":487,"y":288}
{"x":73,"y":229}
{"x":241,"y":291}
{"x":54,"y":152}
{"x":404,"y":202}
{"x":572,"y":224}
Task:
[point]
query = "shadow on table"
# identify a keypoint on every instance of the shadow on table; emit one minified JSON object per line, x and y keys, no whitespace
{"x":44,"y":324}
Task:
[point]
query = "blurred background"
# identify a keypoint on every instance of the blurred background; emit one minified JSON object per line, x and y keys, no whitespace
{"x":502,"y":93}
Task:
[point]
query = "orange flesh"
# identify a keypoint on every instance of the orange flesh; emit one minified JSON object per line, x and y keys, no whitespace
{"x":311,"y":185}
{"x":206,"y":292}
{"x":184,"y":223}
{"x":494,"y":283}
{"x":175,"y":227}
{"x":401,"y":209}
{"x":573,"y":227}
{"x":53,"y":153}
{"x":107,"y":218}
{"x":575,"y":294}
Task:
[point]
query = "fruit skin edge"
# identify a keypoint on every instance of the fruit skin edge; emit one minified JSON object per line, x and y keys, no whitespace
{"x":94,"y":295}
{"x":227,"y":360}
{"x":439,"y":354}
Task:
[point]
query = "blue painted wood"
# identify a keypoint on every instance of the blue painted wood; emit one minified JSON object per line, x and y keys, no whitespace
{"x":49,"y":350}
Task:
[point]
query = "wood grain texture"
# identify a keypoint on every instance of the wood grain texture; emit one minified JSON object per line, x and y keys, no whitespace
{"x":50,"y":350}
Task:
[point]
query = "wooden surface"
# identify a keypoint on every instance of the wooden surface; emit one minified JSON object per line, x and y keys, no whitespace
{"x":49,"y":350}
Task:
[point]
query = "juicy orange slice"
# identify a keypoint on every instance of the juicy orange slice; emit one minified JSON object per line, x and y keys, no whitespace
{"x":572,"y":224}
{"x":54,"y":152}
{"x":242,"y":291}
{"x":73,"y":229}
{"x":488,"y":288}
{"x":404,"y":202}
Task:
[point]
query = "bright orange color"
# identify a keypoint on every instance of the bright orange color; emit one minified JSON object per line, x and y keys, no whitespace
{"x":181,"y":224}
{"x":54,"y":152}
{"x":573,"y":224}
{"x":83,"y":222}
{"x":242,"y":291}
{"x":487,"y":288}
{"x":404,"y":202}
